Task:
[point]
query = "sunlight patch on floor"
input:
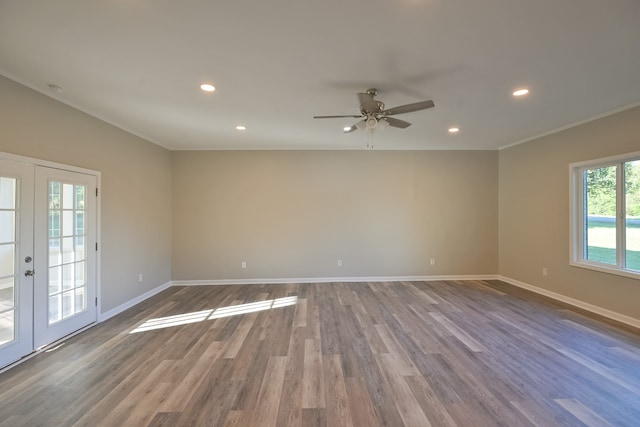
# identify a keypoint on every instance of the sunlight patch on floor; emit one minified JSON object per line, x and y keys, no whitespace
{"x":199,"y":316}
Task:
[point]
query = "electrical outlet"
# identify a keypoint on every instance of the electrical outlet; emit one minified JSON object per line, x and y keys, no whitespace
{"x":140,"y":277}
{"x":433,"y":261}
{"x":244,"y":264}
{"x":339,"y":263}
{"x":544,"y":271}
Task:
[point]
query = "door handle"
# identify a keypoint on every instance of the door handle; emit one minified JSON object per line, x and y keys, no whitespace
{"x":29,"y":273}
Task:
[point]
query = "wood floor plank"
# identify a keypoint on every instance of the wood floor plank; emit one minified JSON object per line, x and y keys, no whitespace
{"x":381,"y":395}
{"x":314,"y":417}
{"x":248,"y":394}
{"x":457,"y":332}
{"x":370,"y":332}
{"x":426,"y":341}
{"x":234,"y":419}
{"x":429,"y":402}
{"x":246,"y":355}
{"x":583,"y":413}
{"x":541,"y":416}
{"x":313,"y":319}
{"x":406,"y":403}
{"x":165,"y":419}
{"x":598,"y":368}
{"x":441,"y":353}
{"x":184,"y":388}
{"x":139,"y":415}
{"x":300,"y":319}
{"x":396,"y":354}
{"x":290,"y":411}
{"x":336,"y":399}
{"x":313,"y":379}
{"x":265,"y":413}
{"x":362,"y":412}
{"x":238,"y":337}
{"x":211,"y":402}
{"x":151,"y":388}
{"x":469,"y":414}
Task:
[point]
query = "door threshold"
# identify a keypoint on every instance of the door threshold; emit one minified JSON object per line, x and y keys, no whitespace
{"x":46,"y":348}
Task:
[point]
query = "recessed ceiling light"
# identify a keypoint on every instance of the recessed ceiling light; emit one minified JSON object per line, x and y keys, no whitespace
{"x":241,"y":127}
{"x":454,"y":130}
{"x":520,"y":92}
{"x":207,"y":87}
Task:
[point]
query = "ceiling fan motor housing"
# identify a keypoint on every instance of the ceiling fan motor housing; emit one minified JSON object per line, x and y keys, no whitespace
{"x":371,"y":107}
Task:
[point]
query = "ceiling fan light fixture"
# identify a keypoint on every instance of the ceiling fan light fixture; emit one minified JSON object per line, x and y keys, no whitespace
{"x":371,"y":123}
{"x":382,"y":124}
{"x":362,"y":124}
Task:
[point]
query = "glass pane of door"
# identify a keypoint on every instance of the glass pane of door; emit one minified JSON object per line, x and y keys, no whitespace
{"x":8,"y":211}
{"x":67,"y":242}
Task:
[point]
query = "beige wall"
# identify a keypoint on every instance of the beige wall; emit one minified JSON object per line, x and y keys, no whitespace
{"x":293,"y":214}
{"x":136,"y":184}
{"x":534,"y":211}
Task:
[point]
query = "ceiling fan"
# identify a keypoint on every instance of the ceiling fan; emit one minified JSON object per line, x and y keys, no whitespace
{"x":374,"y":115}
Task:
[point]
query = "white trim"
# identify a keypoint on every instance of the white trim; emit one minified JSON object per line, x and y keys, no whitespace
{"x":47,"y":163}
{"x":219,"y":282}
{"x":627,"y":320}
{"x":135,"y":301}
{"x":333,"y":148}
{"x":573,"y":125}
{"x":99,"y":245}
{"x":607,"y":161}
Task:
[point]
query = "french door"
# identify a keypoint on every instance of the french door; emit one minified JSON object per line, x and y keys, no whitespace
{"x":16,"y":253}
{"x":47,"y":256}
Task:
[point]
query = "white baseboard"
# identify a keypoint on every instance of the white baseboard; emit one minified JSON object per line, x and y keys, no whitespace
{"x":627,"y":320}
{"x":329,"y":280}
{"x":137,"y":300}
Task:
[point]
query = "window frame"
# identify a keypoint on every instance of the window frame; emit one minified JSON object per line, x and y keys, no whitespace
{"x":577,"y":218}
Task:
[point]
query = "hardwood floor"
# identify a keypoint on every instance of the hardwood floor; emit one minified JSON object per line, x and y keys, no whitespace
{"x":469,"y":353}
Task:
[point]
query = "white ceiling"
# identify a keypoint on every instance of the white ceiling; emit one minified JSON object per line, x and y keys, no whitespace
{"x":138,"y":64}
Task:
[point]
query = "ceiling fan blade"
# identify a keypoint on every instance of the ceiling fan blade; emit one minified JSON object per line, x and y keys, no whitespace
{"x":408,"y":108}
{"x":337,"y":117}
{"x":364,"y":98}
{"x":396,"y":123}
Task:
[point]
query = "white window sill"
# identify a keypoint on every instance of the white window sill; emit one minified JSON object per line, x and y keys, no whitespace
{"x":603,"y":268}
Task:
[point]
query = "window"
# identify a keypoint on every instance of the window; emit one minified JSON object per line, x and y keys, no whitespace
{"x":605,"y":215}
